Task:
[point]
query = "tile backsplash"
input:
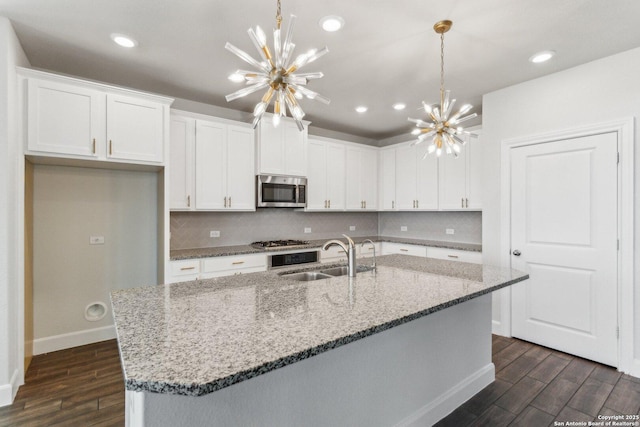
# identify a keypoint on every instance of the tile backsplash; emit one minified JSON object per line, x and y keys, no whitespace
{"x":466,"y":226}
{"x":191,"y":230}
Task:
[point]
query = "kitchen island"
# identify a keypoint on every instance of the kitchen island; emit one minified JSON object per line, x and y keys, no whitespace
{"x":403,"y":344}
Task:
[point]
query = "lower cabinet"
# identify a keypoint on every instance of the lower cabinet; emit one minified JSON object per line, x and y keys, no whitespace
{"x":333,"y":254}
{"x":207,"y":268}
{"x":389,"y":248}
{"x":455,"y":255}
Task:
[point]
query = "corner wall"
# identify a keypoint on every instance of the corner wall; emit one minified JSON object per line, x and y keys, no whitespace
{"x":597,"y":92}
{"x":11,"y":233}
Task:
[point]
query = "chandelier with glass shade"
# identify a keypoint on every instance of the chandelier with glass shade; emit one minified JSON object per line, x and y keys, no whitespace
{"x":443,"y":129}
{"x":276,"y":72}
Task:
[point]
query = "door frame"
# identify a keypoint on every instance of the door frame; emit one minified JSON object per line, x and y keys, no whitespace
{"x":625,"y":130}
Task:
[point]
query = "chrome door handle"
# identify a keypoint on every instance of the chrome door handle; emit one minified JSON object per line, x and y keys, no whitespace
{"x":517,"y":253}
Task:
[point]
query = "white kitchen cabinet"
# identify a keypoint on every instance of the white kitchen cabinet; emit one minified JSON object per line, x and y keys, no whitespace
{"x":235,"y":264}
{"x":389,"y":248}
{"x":416,"y":178}
{"x":387,"y":179}
{"x":455,"y":255}
{"x":325,"y":175}
{"x":459,"y":179}
{"x":184,"y":270}
{"x":181,"y":155}
{"x":281,"y":150}
{"x":134,"y":129}
{"x":224,"y":177}
{"x":333,"y":254}
{"x":76,"y":119}
{"x":361,"y":178}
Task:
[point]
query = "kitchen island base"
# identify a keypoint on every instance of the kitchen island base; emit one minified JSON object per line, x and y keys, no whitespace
{"x":412,"y":374}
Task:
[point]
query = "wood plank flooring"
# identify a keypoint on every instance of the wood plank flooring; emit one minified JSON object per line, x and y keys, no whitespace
{"x":80,"y":386}
{"x":534,"y":387}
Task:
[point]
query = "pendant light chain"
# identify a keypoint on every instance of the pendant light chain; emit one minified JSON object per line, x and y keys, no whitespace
{"x":279,"y":15}
{"x":441,"y":72}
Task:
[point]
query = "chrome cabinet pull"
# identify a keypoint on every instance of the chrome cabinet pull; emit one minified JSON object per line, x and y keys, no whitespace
{"x":229,"y":201}
{"x":188,"y":201}
{"x":325,"y":204}
{"x":393,"y":204}
{"x":94,"y":146}
{"x":329,"y":203}
{"x":418,"y":204}
{"x":462,"y":202}
{"x":467,"y":201}
{"x":225,"y":201}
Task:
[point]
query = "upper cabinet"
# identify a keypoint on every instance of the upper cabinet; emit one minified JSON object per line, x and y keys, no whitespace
{"x":72,"y":118}
{"x":416,"y":178}
{"x":387,"y":179}
{"x":211,"y":165}
{"x":459,"y":179}
{"x":281,"y":150}
{"x":361,"y":178}
{"x":326,"y":175}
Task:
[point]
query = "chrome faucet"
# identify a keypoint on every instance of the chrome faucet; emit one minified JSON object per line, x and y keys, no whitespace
{"x":374,"y":250}
{"x":350,"y":250}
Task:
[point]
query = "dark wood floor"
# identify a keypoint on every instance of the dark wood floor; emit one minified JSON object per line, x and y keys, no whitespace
{"x":534,"y":387}
{"x":81,"y":386}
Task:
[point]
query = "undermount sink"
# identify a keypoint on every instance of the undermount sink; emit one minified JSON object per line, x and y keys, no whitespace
{"x":328,"y":273}
{"x":308,"y":276}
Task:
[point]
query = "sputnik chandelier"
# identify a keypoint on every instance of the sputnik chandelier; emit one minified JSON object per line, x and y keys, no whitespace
{"x":443,"y":129}
{"x":276,"y":74}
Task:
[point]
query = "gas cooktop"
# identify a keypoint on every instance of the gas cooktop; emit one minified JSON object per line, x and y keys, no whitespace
{"x":278,"y":244}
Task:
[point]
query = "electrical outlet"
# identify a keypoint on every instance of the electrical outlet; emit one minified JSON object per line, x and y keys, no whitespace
{"x":403,"y":228}
{"x":352,"y":228}
{"x":449,"y":231}
{"x":307,"y":229}
{"x":214,"y":233}
{"x":96,"y":240}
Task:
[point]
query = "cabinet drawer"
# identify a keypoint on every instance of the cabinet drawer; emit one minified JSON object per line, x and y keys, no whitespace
{"x":236,"y":262}
{"x":187,"y":267}
{"x":332,"y":254}
{"x":389,"y":248}
{"x":455,"y":255}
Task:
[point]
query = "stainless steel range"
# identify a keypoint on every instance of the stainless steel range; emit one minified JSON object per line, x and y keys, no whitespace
{"x":289,"y":258}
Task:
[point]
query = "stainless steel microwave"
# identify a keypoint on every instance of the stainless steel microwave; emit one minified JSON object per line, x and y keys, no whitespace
{"x":275,"y":191}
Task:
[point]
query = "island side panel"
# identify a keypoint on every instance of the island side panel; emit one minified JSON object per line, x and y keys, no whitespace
{"x":413,"y":374}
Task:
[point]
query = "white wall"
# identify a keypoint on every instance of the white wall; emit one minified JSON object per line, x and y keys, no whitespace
{"x":11,"y":55}
{"x":593,"y":93}
{"x":70,"y":205}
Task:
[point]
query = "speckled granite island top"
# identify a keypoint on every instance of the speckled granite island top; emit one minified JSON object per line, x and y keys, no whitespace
{"x":194,"y":338}
{"x":180,"y":254}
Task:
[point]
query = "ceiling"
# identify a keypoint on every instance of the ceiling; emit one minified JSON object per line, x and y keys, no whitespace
{"x":386,"y":53}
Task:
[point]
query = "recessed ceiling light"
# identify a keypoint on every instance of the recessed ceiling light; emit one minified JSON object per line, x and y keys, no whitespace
{"x":331,"y":23}
{"x":361,"y":109}
{"x":124,"y":41}
{"x":399,"y":106}
{"x":542,"y":56}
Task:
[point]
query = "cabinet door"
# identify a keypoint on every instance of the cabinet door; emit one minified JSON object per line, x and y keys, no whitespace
{"x":295,"y":158}
{"x":369,"y":178}
{"x":181,"y":163}
{"x":387,"y":180}
{"x":134,"y":129}
{"x":474,"y":172}
{"x":427,"y":179}
{"x":335,"y":165}
{"x":353,"y":173}
{"x":271,"y":148}
{"x":210,"y":162}
{"x":406,"y":177}
{"x":452,"y":181}
{"x":241,"y":187}
{"x":64,"y":119}
{"x":316,"y":175}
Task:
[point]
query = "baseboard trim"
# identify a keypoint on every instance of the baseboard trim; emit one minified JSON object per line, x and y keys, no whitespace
{"x":8,"y":391}
{"x":446,"y":403}
{"x":72,"y":339}
{"x":496,"y":327}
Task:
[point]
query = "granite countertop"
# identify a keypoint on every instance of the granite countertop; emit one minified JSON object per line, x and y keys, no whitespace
{"x":181,"y":254}
{"x":194,"y":338}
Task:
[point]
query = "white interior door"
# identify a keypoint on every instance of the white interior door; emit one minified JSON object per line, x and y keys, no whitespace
{"x":564,"y":234}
